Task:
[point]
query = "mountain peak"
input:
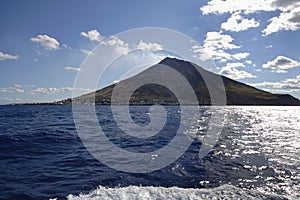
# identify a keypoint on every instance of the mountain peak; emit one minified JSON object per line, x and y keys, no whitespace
{"x":173,"y":60}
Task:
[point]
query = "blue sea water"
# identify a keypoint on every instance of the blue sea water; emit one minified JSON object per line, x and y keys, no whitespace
{"x":256,"y":157}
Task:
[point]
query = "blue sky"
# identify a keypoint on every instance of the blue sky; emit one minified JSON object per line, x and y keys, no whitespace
{"x":43,"y":43}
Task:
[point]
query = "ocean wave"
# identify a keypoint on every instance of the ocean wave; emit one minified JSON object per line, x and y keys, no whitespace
{"x":152,"y":193}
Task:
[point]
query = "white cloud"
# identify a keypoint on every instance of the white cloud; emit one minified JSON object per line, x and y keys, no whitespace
{"x":149,"y":46}
{"x":223,"y":60}
{"x":16,"y":88}
{"x":240,"y":56}
{"x":235,"y":65}
{"x":65,"y":46}
{"x":210,"y":52}
{"x":10,"y":99}
{"x":287,"y":85}
{"x":17,"y":85}
{"x":249,"y":62}
{"x":47,"y":42}
{"x":267,"y":84}
{"x":215,"y":46}
{"x":53,"y":90}
{"x":74,"y":69}
{"x":50,"y":90}
{"x":93,"y":35}
{"x":115,"y":41}
{"x":281,"y":64}
{"x":24,"y":86}
{"x":289,"y":20}
{"x":231,"y":71}
{"x":122,"y":47}
{"x":269,"y":46}
{"x":87,"y":52}
{"x":12,"y":89}
{"x":119,"y":45}
{"x":122,"y":50}
{"x":199,"y":53}
{"x":219,"y":40}
{"x":237,"y":23}
{"x":215,"y":43}
{"x":4,"y":56}
{"x":6,"y":99}
{"x":232,"y":6}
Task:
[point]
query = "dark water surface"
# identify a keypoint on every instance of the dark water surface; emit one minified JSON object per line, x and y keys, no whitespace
{"x":256,"y":157}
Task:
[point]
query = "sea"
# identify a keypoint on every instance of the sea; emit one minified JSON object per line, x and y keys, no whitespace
{"x":256,"y":156}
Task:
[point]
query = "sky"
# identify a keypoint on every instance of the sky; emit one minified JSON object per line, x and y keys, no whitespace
{"x":44,"y":43}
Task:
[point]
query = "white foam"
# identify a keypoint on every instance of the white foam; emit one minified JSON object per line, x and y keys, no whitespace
{"x":153,"y":193}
